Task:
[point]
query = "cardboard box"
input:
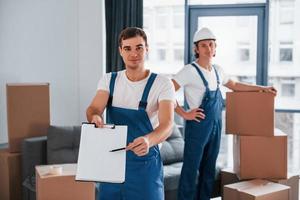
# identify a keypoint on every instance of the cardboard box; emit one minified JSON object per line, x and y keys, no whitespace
{"x":28,"y":112}
{"x":293,"y":182}
{"x":10,"y":175}
{"x":256,"y":190}
{"x":260,"y":157}
{"x":250,"y":113}
{"x":228,"y":176}
{"x":62,"y":186}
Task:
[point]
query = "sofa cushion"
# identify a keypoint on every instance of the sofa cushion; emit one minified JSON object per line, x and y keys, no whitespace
{"x":171,"y":176}
{"x":63,"y":144}
{"x":172,"y":149}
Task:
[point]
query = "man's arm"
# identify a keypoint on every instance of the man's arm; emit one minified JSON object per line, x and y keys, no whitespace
{"x":140,"y":146}
{"x":243,"y":87}
{"x":194,"y":114}
{"x":96,"y":108}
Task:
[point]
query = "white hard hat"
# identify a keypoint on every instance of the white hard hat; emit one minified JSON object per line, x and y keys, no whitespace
{"x":204,"y":34}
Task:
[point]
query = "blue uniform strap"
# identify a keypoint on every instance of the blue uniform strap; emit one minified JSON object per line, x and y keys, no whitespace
{"x":143,"y":103}
{"x":112,"y":87}
{"x":217,"y":75}
{"x":201,"y":74}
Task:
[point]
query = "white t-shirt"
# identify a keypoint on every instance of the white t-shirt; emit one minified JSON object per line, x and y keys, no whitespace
{"x":194,"y":88}
{"x":127,"y":94}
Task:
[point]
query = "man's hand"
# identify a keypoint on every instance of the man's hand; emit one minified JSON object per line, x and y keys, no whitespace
{"x":140,"y":146}
{"x":194,"y":114}
{"x":97,"y":120}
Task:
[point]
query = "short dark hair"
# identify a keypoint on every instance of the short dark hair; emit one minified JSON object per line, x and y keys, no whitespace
{"x":196,"y":55}
{"x":131,"y":32}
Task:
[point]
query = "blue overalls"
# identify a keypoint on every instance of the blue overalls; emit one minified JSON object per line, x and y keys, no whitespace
{"x":144,"y":174}
{"x":202,"y":143}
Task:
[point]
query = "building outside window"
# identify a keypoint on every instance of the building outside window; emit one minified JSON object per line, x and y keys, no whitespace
{"x":286,"y":15}
{"x":178,"y":54}
{"x":161,"y":54}
{"x":161,"y":18}
{"x":286,"y":54}
{"x":244,"y":54}
{"x":288,"y":90}
{"x":178,"y":17}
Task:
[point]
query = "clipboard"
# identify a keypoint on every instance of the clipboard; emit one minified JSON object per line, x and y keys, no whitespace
{"x":96,"y":160}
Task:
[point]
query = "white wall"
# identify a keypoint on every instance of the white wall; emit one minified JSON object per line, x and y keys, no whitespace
{"x":55,"y":41}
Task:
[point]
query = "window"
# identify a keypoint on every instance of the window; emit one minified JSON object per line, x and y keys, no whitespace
{"x":284,"y":25}
{"x":161,"y":54}
{"x":283,"y":29}
{"x":286,"y":16}
{"x":286,"y":12}
{"x":147,"y":18}
{"x":288,"y":89}
{"x":178,"y":17}
{"x":286,"y":54}
{"x":161,"y":18}
{"x":164,"y":25}
{"x":178,"y":54}
{"x":289,"y":123}
{"x":243,"y":22}
{"x":247,"y":79}
{"x":165,"y":31}
{"x":213,"y":2}
{"x":244,"y":54}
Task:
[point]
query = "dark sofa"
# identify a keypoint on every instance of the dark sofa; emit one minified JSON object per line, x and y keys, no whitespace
{"x":61,"y":145}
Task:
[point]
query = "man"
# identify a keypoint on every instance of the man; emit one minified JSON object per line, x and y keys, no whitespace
{"x":145,"y":102}
{"x":201,"y":81}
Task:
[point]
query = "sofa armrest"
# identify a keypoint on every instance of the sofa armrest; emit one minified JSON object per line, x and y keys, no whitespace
{"x":34,"y":152}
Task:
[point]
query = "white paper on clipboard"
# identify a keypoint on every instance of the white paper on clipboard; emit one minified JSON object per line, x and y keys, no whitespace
{"x":95,"y":161}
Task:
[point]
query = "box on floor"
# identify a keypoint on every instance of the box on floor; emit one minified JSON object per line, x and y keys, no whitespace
{"x":228,"y":176}
{"x":256,"y":190}
{"x":10,"y":173}
{"x":293,"y":182}
{"x":62,"y":186}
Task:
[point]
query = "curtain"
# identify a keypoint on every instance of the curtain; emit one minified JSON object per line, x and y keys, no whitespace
{"x":119,"y":14}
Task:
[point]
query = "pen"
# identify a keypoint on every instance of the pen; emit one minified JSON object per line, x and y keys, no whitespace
{"x":119,"y":149}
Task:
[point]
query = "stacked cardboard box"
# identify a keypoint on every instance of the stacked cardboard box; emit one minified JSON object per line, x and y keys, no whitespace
{"x":62,"y":186}
{"x":28,"y":112}
{"x":10,"y":174}
{"x":228,"y":176}
{"x":28,"y":115}
{"x":260,"y":157}
{"x":256,"y":190}
{"x":260,"y":151}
